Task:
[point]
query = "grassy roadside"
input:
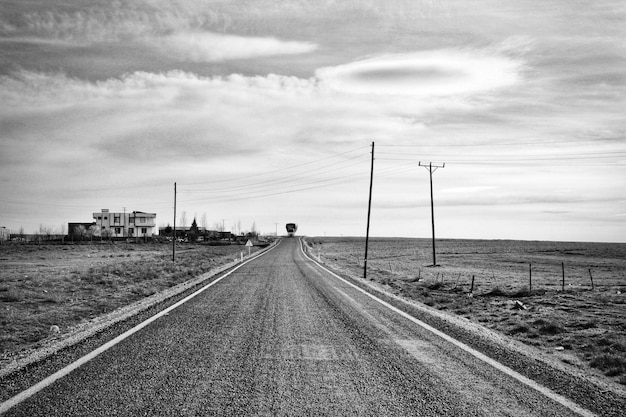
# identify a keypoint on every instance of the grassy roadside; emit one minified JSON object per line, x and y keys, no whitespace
{"x":579,"y":326}
{"x":47,"y":290}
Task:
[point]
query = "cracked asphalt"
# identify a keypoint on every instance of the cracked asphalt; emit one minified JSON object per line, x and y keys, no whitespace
{"x":280,"y":336}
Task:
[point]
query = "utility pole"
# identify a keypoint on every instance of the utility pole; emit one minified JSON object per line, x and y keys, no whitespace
{"x":432,"y":168}
{"x":174,"y":230}
{"x":369,"y":210}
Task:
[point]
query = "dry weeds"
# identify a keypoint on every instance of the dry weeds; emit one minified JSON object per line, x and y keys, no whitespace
{"x":49,"y":289}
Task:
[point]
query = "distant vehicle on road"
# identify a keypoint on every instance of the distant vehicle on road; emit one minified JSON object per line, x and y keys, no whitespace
{"x":291,"y":229}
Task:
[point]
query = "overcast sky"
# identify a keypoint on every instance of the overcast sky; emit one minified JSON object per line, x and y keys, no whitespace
{"x":264,"y":112}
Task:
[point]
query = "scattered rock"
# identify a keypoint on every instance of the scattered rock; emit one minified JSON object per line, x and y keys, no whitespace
{"x":518,"y":305}
{"x":55,"y":329}
{"x":559,"y":348}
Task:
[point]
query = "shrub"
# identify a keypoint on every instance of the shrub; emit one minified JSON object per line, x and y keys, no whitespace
{"x":495,"y":292}
{"x":520,"y":328}
{"x":590,"y":324}
{"x":548,"y":328}
{"x":611,"y":364}
{"x":10,"y":296}
{"x":435,"y":285}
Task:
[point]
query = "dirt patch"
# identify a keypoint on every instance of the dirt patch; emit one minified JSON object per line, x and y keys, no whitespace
{"x":572,"y":324}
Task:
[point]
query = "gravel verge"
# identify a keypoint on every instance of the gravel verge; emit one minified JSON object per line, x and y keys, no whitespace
{"x":600,"y":396}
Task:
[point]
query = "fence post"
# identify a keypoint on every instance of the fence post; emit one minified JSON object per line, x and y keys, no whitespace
{"x":472,"y":287}
{"x":530,"y":278}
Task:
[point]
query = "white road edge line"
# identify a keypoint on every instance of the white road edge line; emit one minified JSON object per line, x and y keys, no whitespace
{"x":505,"y":369}
{"x":29,"y":392}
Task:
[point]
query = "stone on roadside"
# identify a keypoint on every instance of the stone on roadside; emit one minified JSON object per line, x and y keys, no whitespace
{"x":517,"y":305}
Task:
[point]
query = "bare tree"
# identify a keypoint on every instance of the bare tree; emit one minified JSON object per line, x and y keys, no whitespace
{"x":92,"y":231}
{"x":253,"y":231}
{"x":79,"y":232}
{"x":45,"y":231}
{"x":203,"y":221}
{"x":183,"y":219}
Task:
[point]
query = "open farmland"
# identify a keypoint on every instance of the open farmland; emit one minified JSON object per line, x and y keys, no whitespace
{"x":579,"y":325}
{"x":42,"y":286}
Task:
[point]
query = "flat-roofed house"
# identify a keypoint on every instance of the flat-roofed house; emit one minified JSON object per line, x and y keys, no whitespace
{"x":126,"y":224}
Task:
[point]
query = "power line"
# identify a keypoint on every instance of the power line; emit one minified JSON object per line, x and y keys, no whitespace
{"x":541,"y":142}
{"x":280,"y":169}
{"x":280,"y":180}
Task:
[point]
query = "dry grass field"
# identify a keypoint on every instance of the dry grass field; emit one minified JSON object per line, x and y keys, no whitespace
{"x":43,"y":286}
{"x":581,"y":326}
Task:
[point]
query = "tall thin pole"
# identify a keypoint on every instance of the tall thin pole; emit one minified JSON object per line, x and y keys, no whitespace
{"x":174,"y":231}
{"x":432,"y":211}
{"x":430,"y":169}
{"x":369,"y":210}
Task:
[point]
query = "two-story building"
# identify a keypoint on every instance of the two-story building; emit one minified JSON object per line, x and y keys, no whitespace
{"x":126,"y":224}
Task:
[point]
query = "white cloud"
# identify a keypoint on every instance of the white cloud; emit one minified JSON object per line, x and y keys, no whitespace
{"x":424,"y":73}
{"x":215,"y":47}
{"x":178,"y":30}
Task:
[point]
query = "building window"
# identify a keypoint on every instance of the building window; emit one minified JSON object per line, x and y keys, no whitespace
{"x":103,"y":227}
{"x":131,"y":220}
{"x":117,"y":230}
{"x":142,"y":220}
{"x":144,"y":230}
{"x":130,"y":231}
{"x":116,"y":220}
{"x":106,"y":218}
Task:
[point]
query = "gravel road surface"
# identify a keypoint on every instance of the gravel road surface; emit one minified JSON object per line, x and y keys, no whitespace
{"x":280,"y":336}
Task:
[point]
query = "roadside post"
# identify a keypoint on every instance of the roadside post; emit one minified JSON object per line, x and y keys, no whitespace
{"x":249,"y":245}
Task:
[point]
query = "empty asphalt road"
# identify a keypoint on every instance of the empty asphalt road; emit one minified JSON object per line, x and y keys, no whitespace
{"x":281,"y":336}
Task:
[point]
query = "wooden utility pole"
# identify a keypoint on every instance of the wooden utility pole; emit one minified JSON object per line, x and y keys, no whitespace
{"x":369,"y":210}
{"x":432,"y":168}
{"x":174,"y":230}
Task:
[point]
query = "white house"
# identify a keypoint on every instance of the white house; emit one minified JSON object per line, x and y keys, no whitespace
{"x":126,"y":224}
